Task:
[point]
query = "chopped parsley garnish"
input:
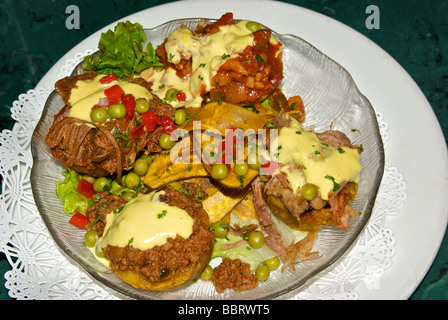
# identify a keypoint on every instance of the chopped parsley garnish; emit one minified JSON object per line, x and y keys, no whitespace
{"x":185,"y":191}
{"x":162,"y":214}
{"x":95,"y":221}
{"x":241,"y":180}
{"x":259,"y":58}
{"x":198,"y":192}
{"x":122,"y":137}
{"x":118,"y":210}
{"x":335,"y":184}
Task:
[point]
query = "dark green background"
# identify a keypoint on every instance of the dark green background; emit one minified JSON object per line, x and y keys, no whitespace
{"x":414,"y":32}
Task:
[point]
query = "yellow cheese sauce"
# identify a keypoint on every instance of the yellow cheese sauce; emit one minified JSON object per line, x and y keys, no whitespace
{"x":88,"y":93}
{"x":321,"y":163}
{"x":146,"y":222}
{"x":208,"y":54}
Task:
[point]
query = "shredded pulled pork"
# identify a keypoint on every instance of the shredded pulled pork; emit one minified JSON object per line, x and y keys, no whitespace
{"x":291,"y":254}
{"x":100,"y":150}
{"x":340,"y":205}
{"x":300,"y":251}
{"x":274,"y":239}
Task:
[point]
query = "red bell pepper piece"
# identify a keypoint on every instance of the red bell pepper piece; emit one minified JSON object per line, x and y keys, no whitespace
{"x":108,"y":79}
{"x":150,"y":119}
{"x":181,"y":96}
{"x":85,"y":188}
{"x":79,"y":220}
{"x":114,"y":94}
{"x":168,"y":124}
{"x":223,"y":156}
{"x":268,"y":168}
{"x":129,"y":103}
{"x":138,"y":131}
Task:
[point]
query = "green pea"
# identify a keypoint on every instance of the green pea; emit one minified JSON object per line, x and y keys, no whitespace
{"x":141,"y":105}
{"x":131,"y":180}
{"x":101,"y":184}
{"x":256,"y":239}
{"x":165,"y":141}
{"x":128,"y":196}
{"x":207,"y":273}
{"x":241,"y":169}
{"x":308,"y":191}
{"x":170,"y":95}
{"x":273,"y":263}
{"x":98,"y":115}
{"x":141,"y":167}
{"x":90,"y":238}
{"x":99,"y":252}
{"x":219,"y":171}
{"x":253,"y":161}
{"x":176,"y":185}
{"x":88,"y":178}
{"x":148,"y":159}
{"x":262,"y":272}
{"x":253,"y":26}
{"x":116,"y":111}
{"x":180,"y":116}
{"x":220,"y":229}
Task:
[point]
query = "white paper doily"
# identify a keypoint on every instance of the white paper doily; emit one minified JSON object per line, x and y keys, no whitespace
{"x":40,"y":271}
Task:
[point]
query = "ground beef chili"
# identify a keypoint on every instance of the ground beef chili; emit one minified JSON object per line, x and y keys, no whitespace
{"x":233,"y":274}
{"x":176,"y":255}
{"x":99,"y":210}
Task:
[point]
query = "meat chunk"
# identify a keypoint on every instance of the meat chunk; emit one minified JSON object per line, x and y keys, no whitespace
{"x":98,"y":211}
{"x":233,"y":274}
{"x":176,"y":261}
{"x":337,"y":139}
{"x":100,"y":150}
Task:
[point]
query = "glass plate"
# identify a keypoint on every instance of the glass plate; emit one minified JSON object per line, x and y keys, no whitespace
{"x":331,"y":99}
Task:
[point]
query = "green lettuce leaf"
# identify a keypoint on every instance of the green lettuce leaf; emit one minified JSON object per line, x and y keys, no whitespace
{"x":121,"y":52}
{"x":244,"y":252}
{"x":67,"y":191}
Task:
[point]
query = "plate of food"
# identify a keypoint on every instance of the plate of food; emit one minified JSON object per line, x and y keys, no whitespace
{"x":206,"y":158}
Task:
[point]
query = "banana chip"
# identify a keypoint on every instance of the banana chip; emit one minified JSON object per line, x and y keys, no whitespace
{"x":220,"y":202}
{"x":222,"y":116}
{"x":162,"y":171}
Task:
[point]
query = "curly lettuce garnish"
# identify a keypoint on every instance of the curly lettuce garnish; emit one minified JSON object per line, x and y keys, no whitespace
{"x":67,"y":191}
{"x":121,"y":52}
{"x":73,"y":201}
